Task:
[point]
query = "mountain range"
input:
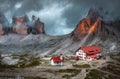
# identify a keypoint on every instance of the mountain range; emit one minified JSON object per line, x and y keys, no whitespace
{"x":30,"y":38}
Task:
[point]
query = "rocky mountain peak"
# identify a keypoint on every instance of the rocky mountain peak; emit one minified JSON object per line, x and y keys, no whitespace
{"x":21,"y":25}
{"x":19,"y":19}
{"x":93,"y":13}
{"x":3,"y":19}
{"x":91,"y":25}
{"x":3,"y":23}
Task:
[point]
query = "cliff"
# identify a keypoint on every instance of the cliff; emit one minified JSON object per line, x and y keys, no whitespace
{"x":21,"y":25}
{"x":92,"y":26}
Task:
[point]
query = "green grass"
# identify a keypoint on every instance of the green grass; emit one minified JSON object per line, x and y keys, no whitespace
{"x":29,"y":61}
{"x":24,"y":61}
{"x":68,"y":72}
{"x":73,"y":72}
{"x":51,"y":71}
{"x":93,"y":74}
{"x":115,"y":69}
{"x":82,"y":66}
{"x":117,"y":58}
{"x":14,"y":77}
{"x":66,"y":76}
{"x":34,"y":77}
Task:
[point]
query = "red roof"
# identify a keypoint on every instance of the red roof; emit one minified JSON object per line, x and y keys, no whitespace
{"x":91,"y":49}
{"x":57,"y":59}
{"x":93,"y":56}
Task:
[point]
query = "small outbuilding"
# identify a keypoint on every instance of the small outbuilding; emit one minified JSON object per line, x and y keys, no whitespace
{"x":57,"y":60}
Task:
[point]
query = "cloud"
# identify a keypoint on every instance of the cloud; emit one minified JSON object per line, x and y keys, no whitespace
{"x":18,"y":5}
{"x":52,"y":17}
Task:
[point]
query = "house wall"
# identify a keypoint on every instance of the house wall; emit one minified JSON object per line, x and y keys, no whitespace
{"x":55,"y":64}
{"x":81,"y":54}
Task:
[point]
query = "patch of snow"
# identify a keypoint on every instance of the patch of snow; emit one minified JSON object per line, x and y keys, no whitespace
{"x":112,"y":47}
{"x":26,"y":37}
{"x":5,"y":55}
{"x":10,"y":61}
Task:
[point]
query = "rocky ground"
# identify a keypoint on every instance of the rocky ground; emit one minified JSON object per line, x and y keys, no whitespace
{"x":46,"y":45}
{"x":34,"y":67}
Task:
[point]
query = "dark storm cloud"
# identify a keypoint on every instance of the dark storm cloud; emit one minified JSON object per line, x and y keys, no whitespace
{"x":109,"y":9}
{"x":60,"y":16}
{"x":25,"y":6}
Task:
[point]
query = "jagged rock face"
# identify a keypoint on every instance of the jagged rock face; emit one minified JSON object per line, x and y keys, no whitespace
{"x":92,"y":25}
{"x":3,"y":19}
{"x":93,"y":14}
{"x":22,"y":30}
{"x":39,"y":26}
{"x":20,"y":26}
{"x":3,"y":23}
{"x":1,"y":30}
{"x":19,"y":19}
{"x":85,"y":27}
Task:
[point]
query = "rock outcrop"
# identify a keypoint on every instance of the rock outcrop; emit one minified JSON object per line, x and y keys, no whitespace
{"x":20,"y":25}
{"x":36,"y":26}
{"x":3,"y":24}
{"x":1,"y":30}
{"x":23,"y":26}
{"x":92,"y":25}
{"x":39,"y":26}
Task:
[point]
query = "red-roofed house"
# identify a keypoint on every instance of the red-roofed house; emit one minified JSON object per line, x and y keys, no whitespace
{"x":57,"y":60}
{"x":88,"y":53}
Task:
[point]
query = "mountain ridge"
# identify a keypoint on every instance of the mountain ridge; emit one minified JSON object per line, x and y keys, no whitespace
{"x":85,"y":34}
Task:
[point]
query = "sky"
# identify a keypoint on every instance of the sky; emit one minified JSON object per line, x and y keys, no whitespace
{"x":59,"y":16}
